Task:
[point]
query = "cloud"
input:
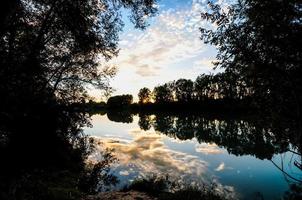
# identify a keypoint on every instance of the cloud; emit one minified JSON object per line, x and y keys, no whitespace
{"x":206,"y":148}
{"x":124,"y":173}
{"x":146,"y":70}
{"x":221,"y":167}
{"x":173,"y":38}
{"x":147,"y":154}
{"x":165,"y":51}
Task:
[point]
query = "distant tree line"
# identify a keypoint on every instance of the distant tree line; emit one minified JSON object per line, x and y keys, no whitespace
{"x":259,"y":49}
{"x":215,"y":91}
{"x":206,"y":87}
{"x":225,"y":88}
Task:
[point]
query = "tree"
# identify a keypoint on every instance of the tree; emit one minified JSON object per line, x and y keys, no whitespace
{"x":199,"y":87}
{"x":183,"y":90}
{"x":163,"y":94}
{"x":50,"y":51}
{"x":55,"y":46}
{"x":260,"y":41}
{"x":203,"y":86}
{"x":144,"y":95}
{"x":120,"y":101}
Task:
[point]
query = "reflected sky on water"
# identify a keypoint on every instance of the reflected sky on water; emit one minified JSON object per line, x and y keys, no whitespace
{"x":244,"y":175}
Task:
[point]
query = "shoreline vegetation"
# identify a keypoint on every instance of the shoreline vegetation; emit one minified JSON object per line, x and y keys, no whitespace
{"x":220,"y":93}
{"x":52,"y":51}
{"x":208,"y":106}
{"x":161,"y":188}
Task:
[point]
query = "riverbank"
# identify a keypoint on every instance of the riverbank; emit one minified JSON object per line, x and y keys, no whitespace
{"x":130,"y":195}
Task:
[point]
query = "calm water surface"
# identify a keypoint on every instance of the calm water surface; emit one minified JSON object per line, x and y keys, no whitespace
{"x":233,"y":154}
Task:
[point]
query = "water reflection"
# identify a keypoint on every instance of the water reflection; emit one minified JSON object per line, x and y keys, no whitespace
{"x":150,"y":154}
{"x":197,"y":148}
{"x":238,"y":137}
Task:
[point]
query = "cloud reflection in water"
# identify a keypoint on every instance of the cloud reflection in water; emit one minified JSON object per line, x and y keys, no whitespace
{"x":147,"y":154}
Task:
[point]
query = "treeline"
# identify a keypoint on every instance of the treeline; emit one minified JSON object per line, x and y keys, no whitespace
{"x":208,"y":92}
{"x":205,"y":87}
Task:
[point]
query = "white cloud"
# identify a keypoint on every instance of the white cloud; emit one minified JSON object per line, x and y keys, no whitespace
{"x":147,"y":155}
{"x":146,"y":70}
{"x":167,"y":50}
{"x":124,"y":173}
{"x":174,"y":37}
{"x":221,"y":167}
{"x":206,"y":148}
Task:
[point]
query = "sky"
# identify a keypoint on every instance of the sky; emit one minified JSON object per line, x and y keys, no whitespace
{"x":169,"y":49}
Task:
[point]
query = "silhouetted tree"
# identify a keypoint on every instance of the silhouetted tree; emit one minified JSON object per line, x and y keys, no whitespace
{"x":183,"y":90}
{"x":205,"y":86}
{"x":294,"y":192}
{"x":163,"y":93}
{"x":227,"y":88}
{"x":144,"y":95}
{"x":50,"y":50}
{"x":120,"y":100}
{"x":200,"y":86}
{"x":260,"y":41}
{"x":56,"y":45}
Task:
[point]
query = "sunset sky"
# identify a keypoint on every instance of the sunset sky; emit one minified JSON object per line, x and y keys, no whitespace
{"x":169,"y":49}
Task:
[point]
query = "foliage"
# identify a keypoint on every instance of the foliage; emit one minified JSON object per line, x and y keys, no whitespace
{"x":120,"y":101}
{"x":224,"y":86}
{"x":51,"y":155}
{"x":97,"y":176}
{"x":164,"y":189}
{"x":163,"y":93}
{"x":183,"y":90}
{"x":50,"y":52}
{"x":153,"y":185}
{"x":56,"y":46}
{"x":144,"y":95}
{"x":259,"y":42}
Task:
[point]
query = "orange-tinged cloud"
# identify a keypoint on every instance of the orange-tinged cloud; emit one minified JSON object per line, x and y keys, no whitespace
{"x":148,"y":154}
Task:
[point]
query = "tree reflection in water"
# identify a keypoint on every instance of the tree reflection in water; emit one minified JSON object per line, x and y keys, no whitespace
{"x":263,"y":138}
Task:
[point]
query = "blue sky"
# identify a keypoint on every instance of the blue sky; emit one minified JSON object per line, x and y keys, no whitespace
{"x":167,"y":50}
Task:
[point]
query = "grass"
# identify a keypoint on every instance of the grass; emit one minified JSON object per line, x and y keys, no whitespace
{"x":164,"y":189}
